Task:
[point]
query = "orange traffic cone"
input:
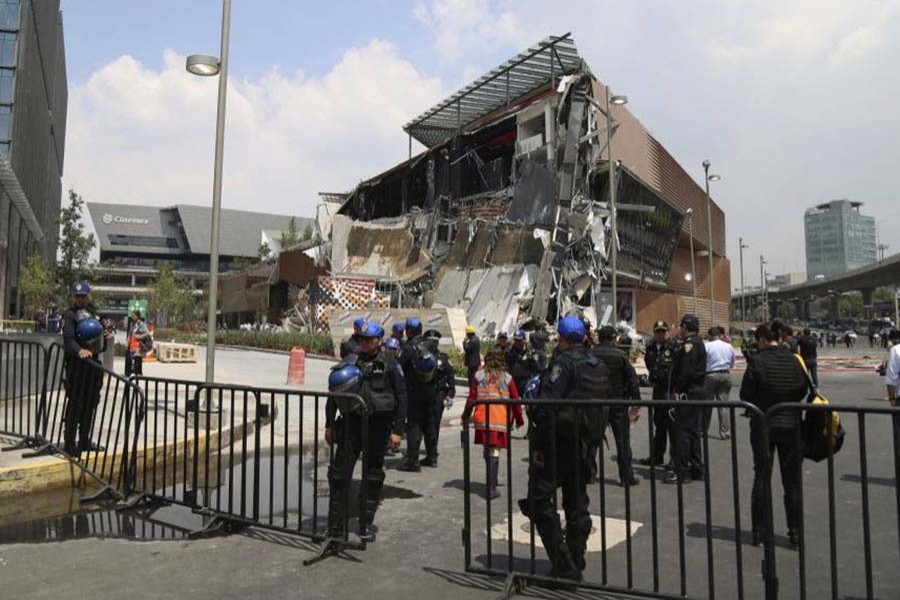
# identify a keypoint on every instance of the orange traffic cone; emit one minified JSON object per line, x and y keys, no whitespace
{"x":297,"y":366}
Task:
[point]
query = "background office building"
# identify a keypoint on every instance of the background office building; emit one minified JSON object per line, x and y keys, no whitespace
{"x":133,"y":240}
{"x":33,"y":98}
{"x":838,"y":238}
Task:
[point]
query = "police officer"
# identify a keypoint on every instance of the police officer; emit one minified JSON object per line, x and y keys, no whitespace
{"x":472,"y":350}
{"x":383,"y":389}
{"x":83,"y":342}
{"x":539,"y":340}
{"x":623,"y":385}
{"x":397,"y":332}
{"x":350,"y":345}
{"x":573,"y":374}
{"x":439,"y":393}
{"x":520,"y":361}
{"x":392,"y":348}
{"x":503,"y":340}
{"x":658,"y":360}
{"x":687,"y":379}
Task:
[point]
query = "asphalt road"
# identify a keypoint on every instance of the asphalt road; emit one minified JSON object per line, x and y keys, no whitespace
{"x":419,"y":552}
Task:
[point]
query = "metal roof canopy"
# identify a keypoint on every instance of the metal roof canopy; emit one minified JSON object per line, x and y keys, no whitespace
{"x":555,"y":56}
{"x":10,"y":184}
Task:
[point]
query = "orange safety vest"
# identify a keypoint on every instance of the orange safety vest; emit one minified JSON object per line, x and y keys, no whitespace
{"x":491,"y":388}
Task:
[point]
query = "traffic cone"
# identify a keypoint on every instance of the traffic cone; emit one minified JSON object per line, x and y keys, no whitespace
{"x":297,"y":366}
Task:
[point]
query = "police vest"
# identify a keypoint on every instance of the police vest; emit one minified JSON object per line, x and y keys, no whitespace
{"x":491,"y":388}
{"x":376,"y":390}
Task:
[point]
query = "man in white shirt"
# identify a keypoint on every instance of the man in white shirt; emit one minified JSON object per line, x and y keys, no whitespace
{"x":719,"y":362}
{"x":892,"y":369}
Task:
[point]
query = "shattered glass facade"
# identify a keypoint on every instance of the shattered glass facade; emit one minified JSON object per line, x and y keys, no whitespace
{"x":508,"y":208}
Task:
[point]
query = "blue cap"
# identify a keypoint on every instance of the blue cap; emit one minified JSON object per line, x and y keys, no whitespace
{"x":392,"y":343}
{"x":398,"y":327}
{"x":359,"y":322}
{"x":519,"y":335}
{"x":413,"y":323}
{"x":371,"y":330}
{"x":571,"y":328}
{"x":502,"y":335}
{"x":81,"y":288}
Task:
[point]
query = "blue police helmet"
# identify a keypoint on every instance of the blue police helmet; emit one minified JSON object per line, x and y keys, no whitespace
{"x":571,"y":328}
{"x":345,"y":380}
{"x":519,"y":335}
{"x":359,"y":322}
{"x":88,"y":329}
{"x":371,"y":329}
{"x":532,"y":388}
{"x":425,"y":366}
{"x":392,"y":343}
{"x":413,"y":323}
{"x":398,"y":327}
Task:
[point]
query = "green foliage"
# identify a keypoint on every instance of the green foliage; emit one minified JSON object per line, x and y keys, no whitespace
{"x":172,"y":298}
{"x":267,"y":340}
{"x":37,"y":285}
{"x":290,"y":236}
{"x":307,"y":233}
{"x":264,"y":252}
{"x":74,"y":248}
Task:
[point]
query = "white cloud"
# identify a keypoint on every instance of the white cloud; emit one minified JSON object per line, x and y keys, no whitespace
{"x":468,"y":27}
{"x":143,"y":136}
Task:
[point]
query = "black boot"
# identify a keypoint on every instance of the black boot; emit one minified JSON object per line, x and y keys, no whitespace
{"x":493,"y":468}
{"x":337,"y":519}
{"x":430,"y":461}
{"x":374,"y":482}
{"x":563,"y":565}
{"x":794,"y":539}
{"x":757,"y":537}
{"x":577,"y":544}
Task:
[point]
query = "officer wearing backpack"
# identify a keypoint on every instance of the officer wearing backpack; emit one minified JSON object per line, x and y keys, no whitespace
{"x":378,"y":380}
{"x":687,"y":381}
{"x":559,"y":444}
{"x":774,"y":375}
{"x":623,"y":385}
{"x":431,"y":384}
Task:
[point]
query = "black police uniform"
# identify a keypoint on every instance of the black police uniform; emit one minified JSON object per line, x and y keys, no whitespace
{"x":426,"y":409}
{"x":84,"y":379}
{"x":350,"y":346}
{"x":384,"y":391}
{"x":687,"y":380}
{"x":623,"y":385}
{"x":472,"y":350}
{"x":539,"y":340}
{"x":522,"y":365}
{"x":658,"y":360}
{"x":573,"y":373}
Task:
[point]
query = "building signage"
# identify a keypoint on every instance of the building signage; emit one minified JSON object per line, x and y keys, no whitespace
{"x":108,"y":218}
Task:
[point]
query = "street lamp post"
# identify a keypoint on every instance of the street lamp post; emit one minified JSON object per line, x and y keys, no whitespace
{"x":742,"y":247}
{"x":207,"y":66}
{"x":690,"y":216}
{"x":897,"y":306}
{"x":707,"y":178}
{"x":613,"y":221}
{"x":762,"y":287}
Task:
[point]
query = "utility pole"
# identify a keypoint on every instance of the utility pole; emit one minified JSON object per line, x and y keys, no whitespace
{"x":743,"y":289}
{"x":762,"y":287}
{"x":712,"y":280}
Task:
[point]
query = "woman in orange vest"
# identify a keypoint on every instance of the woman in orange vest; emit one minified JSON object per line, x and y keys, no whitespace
{"x":492,"y":421}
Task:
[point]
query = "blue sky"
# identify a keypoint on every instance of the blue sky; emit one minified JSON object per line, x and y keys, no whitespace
{"x":794,"y":101}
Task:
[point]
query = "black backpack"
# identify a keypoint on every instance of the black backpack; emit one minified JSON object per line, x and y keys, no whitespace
{"x":591,"y":383}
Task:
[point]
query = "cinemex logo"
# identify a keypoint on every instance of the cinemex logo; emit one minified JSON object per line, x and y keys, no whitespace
{"x":108,"y":218}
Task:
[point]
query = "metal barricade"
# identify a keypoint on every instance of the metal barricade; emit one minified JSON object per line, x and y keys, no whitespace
{"x":848,"y":505}
{"x":22,"y":372}
{"x":695,"y":548}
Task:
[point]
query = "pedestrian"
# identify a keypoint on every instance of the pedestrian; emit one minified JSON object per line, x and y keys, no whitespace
{"x":429,"y":384}
{"x":138,"y":344}
{"x":658,"y":360}
{"x":623,"y":385}
{"x":350,"y":345}
{"x":378,"y":380}
{"x":809,"y":351}
{"x":472,"y":350}
{"x":520,"y":361}
{"x":83,"y":342}
{"x":503,"y":341}
{"x":493,"y":421}
{"x":719,"y":363}
{"x":774,"y":376}
{"x":688,"y":377}
{"x":559,"y":452}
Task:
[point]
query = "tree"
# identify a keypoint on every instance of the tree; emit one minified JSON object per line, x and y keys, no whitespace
{"x":37,"y":285}
{"x":291,"y":236}
{"x":307,"y":233}
{"x":265,"y":252}
{"x":172,"y":298}
{"x":75,"y":247}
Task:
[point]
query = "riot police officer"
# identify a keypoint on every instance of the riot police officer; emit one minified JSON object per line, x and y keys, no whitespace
{"x":623,"y":385}
{"x":439,"y":395}
{"x":687,"y":379}
{"x":539,"y":340}
{"x":520,"y":361}
{"x":559,"y":453}
{"x":382,"y":387}
{"x":472,"y":350}
{"x":83,"y":342}
{"x":350,"y":345}
{"x":658,"y":360}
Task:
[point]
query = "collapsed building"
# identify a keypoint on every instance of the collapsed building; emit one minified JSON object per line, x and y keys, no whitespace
{"x":506,"y":214}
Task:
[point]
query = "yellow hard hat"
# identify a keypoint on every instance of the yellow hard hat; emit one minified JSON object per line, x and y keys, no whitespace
{"x":470,"y":329}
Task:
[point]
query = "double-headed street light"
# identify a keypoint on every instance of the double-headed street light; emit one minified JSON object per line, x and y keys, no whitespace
{"x":208,"y":66}
{"x":616,"y":100}
{"x":707,"y":178}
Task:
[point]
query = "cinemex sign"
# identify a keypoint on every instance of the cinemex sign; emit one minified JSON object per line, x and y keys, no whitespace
{"x":108,"y":219}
